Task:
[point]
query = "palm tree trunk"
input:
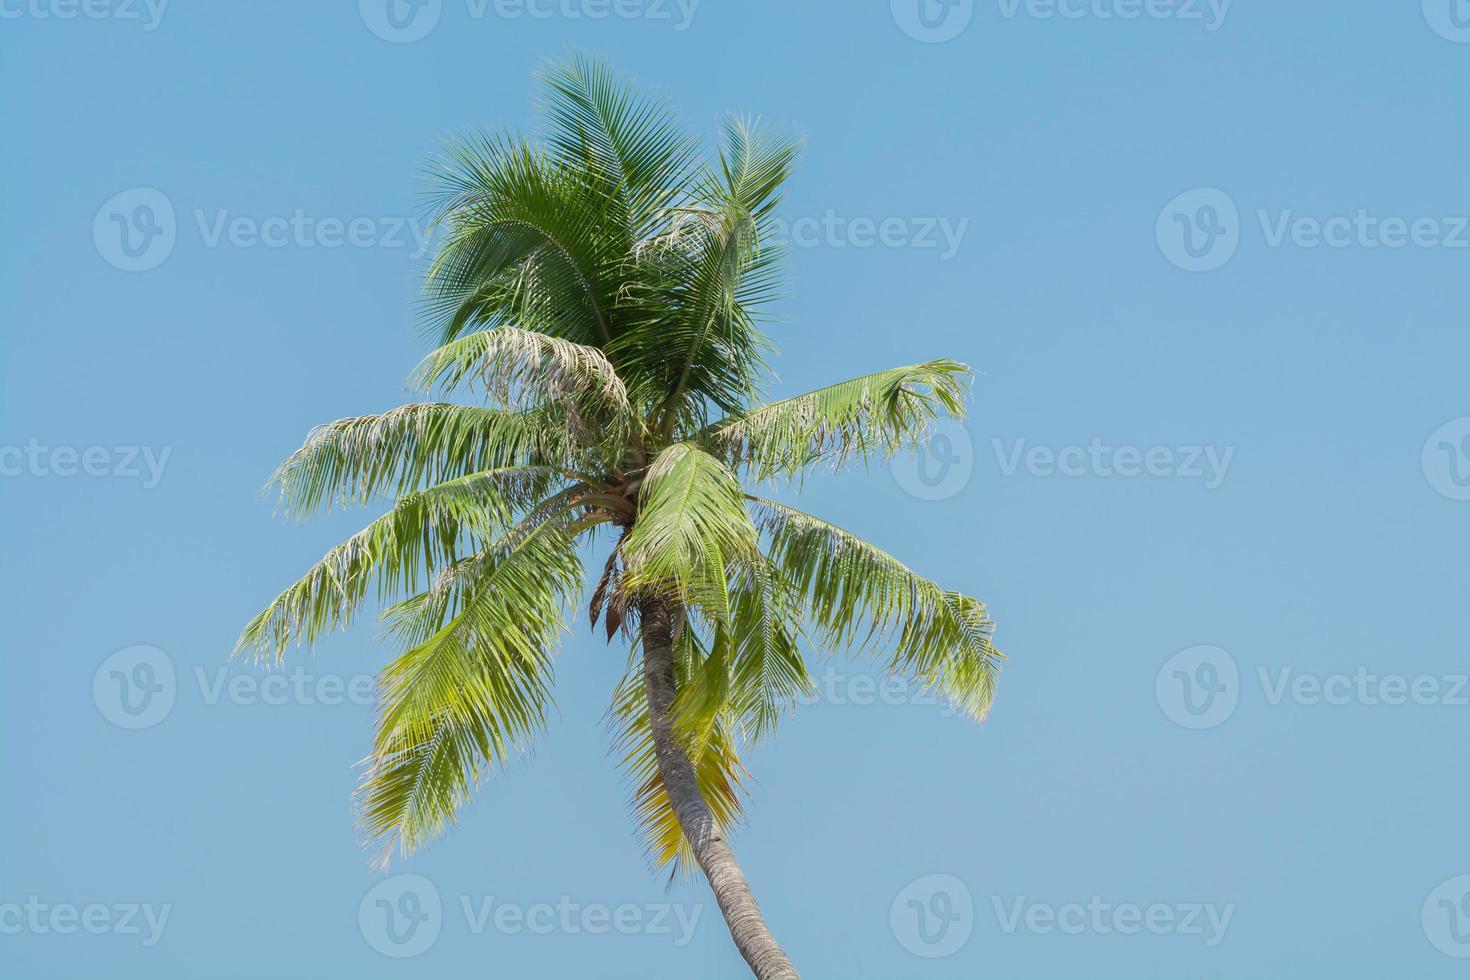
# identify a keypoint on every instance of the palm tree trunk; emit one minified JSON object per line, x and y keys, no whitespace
{"x":732,"y":893}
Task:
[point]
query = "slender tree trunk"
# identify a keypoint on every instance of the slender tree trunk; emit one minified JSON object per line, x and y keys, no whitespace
{"x":742,"y":915}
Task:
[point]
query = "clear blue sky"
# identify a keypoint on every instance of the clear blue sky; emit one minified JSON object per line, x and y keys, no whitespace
{"x":1322,"y":544}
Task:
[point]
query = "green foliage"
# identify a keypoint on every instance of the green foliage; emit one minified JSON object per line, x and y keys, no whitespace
{"x":602,"y":288}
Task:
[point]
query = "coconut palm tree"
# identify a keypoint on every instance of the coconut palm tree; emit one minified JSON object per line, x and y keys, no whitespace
{"x":599,"y":289}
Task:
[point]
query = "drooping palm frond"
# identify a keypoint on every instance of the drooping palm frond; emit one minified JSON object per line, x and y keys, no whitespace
{"x":755,"y":672}
{"x":472,"y":695}
{"x":712,"y":752}
{"x":692,"y":524}
{"x":876,"y":414}
{"x":523,"y":369}
{"x":354,"y":460}
{"x":858,"y":594}
{"x":424,"y":531}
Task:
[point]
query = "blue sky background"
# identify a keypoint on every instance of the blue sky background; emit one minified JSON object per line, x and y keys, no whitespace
{"x":1334,"y":541}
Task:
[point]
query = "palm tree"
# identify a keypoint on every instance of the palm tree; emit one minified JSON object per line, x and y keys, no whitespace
{"x":599,"y":288}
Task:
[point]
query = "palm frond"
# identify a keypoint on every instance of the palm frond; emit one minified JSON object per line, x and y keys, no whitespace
{"x":713,"y":754}
{"x":473,"y":695}
{"x":422,"y":533}
{"x":876,"y":414}
{"x":354,"y":460}
{"x":692,"y":525}
{"x":856,"y":594}
{"x":523,"y":369}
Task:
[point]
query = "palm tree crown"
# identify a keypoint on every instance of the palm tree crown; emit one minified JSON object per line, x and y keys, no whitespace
{"x":600,"y":289}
